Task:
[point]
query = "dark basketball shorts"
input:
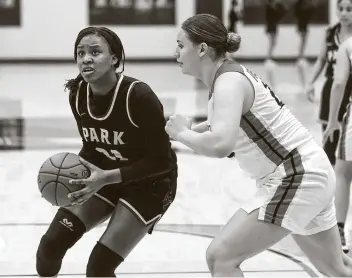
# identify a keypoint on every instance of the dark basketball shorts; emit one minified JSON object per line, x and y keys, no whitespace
{"x":325,"y":100}
{"x":147,"y":200}
{"x":273,"y":15}
{"x":304,"y":16}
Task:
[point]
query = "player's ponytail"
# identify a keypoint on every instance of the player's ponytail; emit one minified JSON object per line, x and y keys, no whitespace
{"x":233,"y":42}
{"x":207,"y":28}
{"x":73,"y":84}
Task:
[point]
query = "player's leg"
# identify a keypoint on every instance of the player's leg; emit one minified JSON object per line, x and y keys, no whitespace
{"x":343,"y":170}
{"x":324,"y":251}
{"x":242,"y":237}
{"x":298,"y":190}
{"x":273,"y":14}
{"x":302,"y":64}
{"x":303,"y":15}
{"x":331,"y":146}
{"x":134,"y":216}
{"x":272,"y":19}
{"x":269,"y":63}
{"x":67,"y":227}
{"x":272,"y":216}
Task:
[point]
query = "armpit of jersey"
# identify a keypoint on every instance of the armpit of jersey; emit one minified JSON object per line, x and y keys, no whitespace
{"x":147,"y":112}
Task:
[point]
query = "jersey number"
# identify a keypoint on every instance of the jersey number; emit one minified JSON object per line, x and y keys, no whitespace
{"x":266,"y":86}
{"x":112,"y":154}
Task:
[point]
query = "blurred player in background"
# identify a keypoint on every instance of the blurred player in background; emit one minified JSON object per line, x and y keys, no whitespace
{"x":295,"y":180}
{"x":304,"y":10}
{"x":125,"y":146}
{"x":235,"y":15}
{"x":333,"y":38}
{"x":274,"y":11}
{"x":343,"y":167}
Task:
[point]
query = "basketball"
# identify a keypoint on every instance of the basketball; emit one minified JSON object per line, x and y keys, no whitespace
{"x":55,"y":174}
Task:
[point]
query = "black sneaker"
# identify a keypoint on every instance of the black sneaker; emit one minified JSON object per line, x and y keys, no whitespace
{"x":344,"y":244}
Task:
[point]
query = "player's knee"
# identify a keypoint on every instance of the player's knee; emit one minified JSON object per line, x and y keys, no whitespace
{"x":64,"y":231}
{"x":48,"y":261}
{"x":219,"y":254}
{"x":342,"y":169}
{"x":335,"y":271}
{"x":102,"y":262}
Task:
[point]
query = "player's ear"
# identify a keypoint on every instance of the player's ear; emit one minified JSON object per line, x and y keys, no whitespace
{"x":203,"y":49}
{"x":114,"y":60}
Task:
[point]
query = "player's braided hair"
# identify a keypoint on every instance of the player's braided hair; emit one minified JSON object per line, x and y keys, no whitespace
{"x":115,"y":45}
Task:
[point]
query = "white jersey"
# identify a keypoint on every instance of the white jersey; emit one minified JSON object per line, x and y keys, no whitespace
{"x":268,"y":131}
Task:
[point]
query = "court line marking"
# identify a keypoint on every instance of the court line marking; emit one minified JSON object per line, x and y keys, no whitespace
{"x":155,"y":273}
{"x":305,"y":267}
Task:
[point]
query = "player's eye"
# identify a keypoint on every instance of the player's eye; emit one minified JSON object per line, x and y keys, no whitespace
{"x":95,"y":52}
{"x":80,"y":53}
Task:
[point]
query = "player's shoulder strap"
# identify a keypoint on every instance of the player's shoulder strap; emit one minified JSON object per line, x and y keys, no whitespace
{"x":331,"y":33}
{"x":77,"y":96}
{"x":129,"y":91}
{"x":227,"y":66}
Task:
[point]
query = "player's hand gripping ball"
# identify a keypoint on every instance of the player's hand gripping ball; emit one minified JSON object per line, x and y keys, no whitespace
{"x":54,"y":176}
{"x":97,"y":179}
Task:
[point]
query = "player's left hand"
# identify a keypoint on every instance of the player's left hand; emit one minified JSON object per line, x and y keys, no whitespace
{"x":93,"y":183}
{"x":177,"y":124}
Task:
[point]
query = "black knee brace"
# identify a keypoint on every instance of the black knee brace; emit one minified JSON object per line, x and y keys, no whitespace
{"x":102,"y":262}
{"x":64,"y":231}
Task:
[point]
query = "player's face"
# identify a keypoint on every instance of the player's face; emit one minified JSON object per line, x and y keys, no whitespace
{"x":187,"y":54}
{"x":94,"y":58}
{"x":344,"y":11}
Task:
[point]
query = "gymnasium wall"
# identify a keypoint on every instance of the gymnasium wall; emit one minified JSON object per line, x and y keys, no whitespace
{"x":48,"y":29}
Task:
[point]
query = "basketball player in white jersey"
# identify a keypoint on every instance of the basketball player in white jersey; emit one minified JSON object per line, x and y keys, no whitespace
{"x":343,"y":167}
{"x":295,"y":180}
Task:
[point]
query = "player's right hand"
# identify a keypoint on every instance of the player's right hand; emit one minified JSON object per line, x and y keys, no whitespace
{"x":92,"y":184}
{"x":328,"y":133}
{"x":309,"y":91}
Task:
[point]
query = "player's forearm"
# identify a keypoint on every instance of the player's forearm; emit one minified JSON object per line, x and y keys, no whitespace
{"x":203,"y":143}
{"x":317,"y":69}
{"x":113,"y":176}
{"x":201,"y":127}
{"x":336,"y":97}
{"x":149,"y":168}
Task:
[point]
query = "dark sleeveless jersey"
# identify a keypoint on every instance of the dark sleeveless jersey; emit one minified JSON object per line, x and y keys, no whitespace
{"x":124,"y":129}
{"x":332,"y":46}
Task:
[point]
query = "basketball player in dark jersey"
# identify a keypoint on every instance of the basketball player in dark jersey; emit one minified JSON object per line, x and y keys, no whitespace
{"x":234,"y":16}
{"x":275,"y":10}
{"x":125,"y":146}
{"x":304,"y":10}
{"x":335,"y":35}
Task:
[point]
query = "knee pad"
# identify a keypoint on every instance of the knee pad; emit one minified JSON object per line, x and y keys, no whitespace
{"x":64,"y":231}
{"x":102,"y":262}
